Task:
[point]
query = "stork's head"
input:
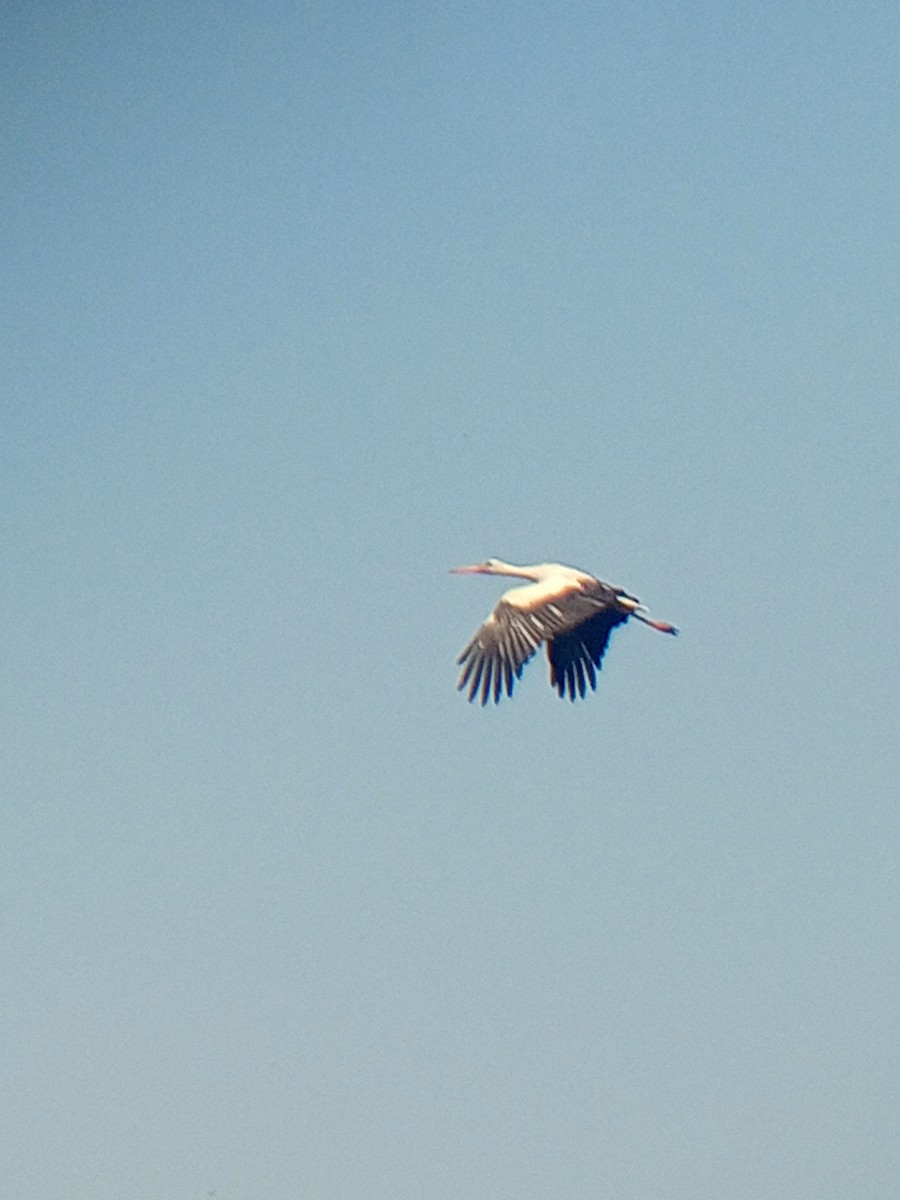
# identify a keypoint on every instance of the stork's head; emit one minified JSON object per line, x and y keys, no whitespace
{"x":490,"y":566}
{"x":496,"y":566}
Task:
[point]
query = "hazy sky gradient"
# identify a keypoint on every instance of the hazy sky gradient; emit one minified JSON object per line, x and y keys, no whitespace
{"x":305,"y":304}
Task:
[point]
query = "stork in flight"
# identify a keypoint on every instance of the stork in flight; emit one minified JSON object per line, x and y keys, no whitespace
{"x":573,"y":612}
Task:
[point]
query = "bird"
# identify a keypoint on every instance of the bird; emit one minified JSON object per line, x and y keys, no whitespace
{"x":570,"y":610}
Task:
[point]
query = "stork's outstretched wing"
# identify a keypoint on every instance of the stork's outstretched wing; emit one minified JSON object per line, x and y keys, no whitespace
{"x":494,"y":658}
{"x":575,"y":656}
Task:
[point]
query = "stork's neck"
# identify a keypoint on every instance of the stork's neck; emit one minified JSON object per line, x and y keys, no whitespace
{"x":541,"y":572}
{"x":534,"y":573}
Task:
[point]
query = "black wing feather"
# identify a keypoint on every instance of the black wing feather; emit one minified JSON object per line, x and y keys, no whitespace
{"x":574,"y":655}
{"x":494,"y":658}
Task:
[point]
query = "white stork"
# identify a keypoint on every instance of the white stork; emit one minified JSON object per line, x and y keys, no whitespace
{"x":573,"y":612}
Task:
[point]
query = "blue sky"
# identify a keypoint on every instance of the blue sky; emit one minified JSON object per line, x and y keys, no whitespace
{"x":304,"y":305}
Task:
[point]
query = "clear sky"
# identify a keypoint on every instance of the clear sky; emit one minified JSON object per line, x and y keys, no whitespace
{"x":305,"y":303}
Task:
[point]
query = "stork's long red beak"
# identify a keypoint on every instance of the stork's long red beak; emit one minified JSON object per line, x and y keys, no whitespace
{"x":475,"y":569}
